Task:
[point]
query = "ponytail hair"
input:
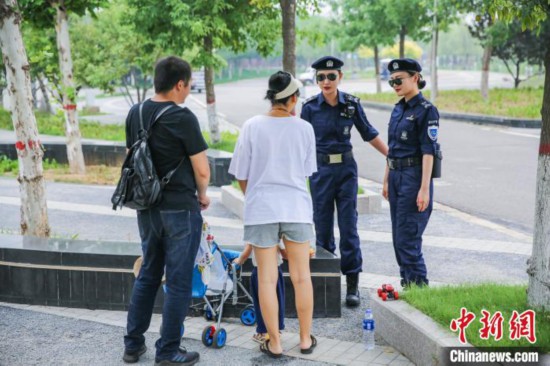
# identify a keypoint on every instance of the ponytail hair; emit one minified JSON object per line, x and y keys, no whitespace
{"x":421,"y":82}
{"x":278,"y":83}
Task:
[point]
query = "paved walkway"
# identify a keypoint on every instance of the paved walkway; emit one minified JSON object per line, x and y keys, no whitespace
{"x":458,"y":248}
{"x":329,"y":350}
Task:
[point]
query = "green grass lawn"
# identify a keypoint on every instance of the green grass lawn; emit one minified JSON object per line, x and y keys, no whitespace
{"x":443,"y":304}
{"x":517,"y":103}
{"x":53,"y":171}
{"x":227,"y":143}
{"x":54,"y":125}
{"x":49,"y":124}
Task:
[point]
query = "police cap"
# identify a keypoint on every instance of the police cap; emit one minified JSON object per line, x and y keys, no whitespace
{"x":404,"y":64}
{"x":328,"y":63}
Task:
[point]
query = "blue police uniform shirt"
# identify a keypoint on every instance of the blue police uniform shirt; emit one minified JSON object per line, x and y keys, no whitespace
{"x":413,"y":128}
{"x":332,"y":125}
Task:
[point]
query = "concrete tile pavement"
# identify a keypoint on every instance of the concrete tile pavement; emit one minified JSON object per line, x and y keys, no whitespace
{"x":332,"y":351}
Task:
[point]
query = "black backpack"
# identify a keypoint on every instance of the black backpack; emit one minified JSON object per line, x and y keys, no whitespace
{"x":139,"y":186}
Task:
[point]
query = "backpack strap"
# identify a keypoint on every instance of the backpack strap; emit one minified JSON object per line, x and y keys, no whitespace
{"x":142,"y":131}
{"x":166,"y":179}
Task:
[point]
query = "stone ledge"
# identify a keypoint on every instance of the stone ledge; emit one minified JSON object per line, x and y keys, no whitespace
{"x":411,"y":332}
{"x":113,"y":154}
{"x":232,"y":198}
{"x":98,"y":275}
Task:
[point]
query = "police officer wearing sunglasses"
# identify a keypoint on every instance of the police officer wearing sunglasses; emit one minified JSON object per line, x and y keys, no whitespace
{"x":412,"y":140}
{"x":333,"y":114}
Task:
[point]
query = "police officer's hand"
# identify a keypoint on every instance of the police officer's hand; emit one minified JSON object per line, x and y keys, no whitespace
{"x":204,"y":202}
{"x":423,"y":198}
{"x":385,"y":189}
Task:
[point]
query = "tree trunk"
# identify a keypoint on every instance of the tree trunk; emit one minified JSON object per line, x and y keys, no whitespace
{"x":72,"y":131}
{"x":34,"y":90}
{"x":487,"y":52}
{"x":213,"y":123}
{"x":288,"y":8}
{"x":517,"y":79}
{"x":538,"y":294}
{"x":402,"y":35}
{"x":34,"y":212}
{"x":377,"y":70}
{"x":46,"y":105}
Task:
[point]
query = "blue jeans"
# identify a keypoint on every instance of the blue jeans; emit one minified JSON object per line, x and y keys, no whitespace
{"x":169,"y":239}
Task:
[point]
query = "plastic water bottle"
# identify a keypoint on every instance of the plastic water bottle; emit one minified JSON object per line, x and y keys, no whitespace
{"x":368,"y":330}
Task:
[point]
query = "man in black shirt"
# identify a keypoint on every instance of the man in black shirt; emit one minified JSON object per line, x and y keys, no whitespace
{"x":170,"y":232}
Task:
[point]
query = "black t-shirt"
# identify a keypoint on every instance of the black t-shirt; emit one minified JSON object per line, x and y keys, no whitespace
{"x":175,"y":135}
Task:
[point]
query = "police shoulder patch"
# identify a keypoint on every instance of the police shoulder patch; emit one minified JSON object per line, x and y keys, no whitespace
{"x":434,"y":122}
{"x":432,"y":132}
{"x":310,"y":99}
{"x":351,"y":98}
{"x":426,"y":104}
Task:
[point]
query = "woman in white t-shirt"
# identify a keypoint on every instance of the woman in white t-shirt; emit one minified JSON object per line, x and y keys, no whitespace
{"x":274,"y":155}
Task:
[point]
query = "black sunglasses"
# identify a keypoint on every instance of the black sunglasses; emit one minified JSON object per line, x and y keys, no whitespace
{"x":397,"y":81}
{"x":322,"y":77}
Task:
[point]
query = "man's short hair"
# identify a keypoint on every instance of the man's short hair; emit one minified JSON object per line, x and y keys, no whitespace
{"x":169,"y":71}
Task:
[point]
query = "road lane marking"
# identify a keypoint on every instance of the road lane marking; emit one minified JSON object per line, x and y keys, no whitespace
{"x":384,"y":238}
{"x":466,"y":217}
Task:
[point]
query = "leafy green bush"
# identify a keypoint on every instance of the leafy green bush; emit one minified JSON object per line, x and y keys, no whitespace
{"x":7,"y":165}
{"x":11,"y":167}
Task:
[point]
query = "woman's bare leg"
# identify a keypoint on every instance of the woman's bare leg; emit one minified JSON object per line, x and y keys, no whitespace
{"x":298,"y":265}
{"x":268,"y":275}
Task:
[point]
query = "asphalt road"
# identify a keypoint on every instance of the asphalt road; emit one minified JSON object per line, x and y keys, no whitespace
{"x":487,"y":171}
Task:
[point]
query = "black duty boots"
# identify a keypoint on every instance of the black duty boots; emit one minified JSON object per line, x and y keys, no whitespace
{"x":352,"y":293}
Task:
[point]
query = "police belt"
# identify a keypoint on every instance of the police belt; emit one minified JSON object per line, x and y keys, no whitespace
{"x":404,"y":162}
{"x":334,"y":158}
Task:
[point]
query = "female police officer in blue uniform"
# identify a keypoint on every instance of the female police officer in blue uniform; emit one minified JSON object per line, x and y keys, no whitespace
{"x":412,"y":140}
{"x":333,"y":114}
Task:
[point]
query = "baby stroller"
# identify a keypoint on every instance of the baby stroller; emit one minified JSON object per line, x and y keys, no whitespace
{"x":215,"y":280}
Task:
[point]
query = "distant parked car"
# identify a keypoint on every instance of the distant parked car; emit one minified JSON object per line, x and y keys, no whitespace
{"x":197,"y":82}
{"x":307,"y":77}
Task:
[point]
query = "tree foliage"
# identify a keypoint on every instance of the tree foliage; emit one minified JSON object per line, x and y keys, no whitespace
{"x":41,"y":13}
{"x":183,"y":25}
{"x":515,"y":46}
{"x":109,"y":52}
{"x":412,"y":50}
{"x":364,"y":23}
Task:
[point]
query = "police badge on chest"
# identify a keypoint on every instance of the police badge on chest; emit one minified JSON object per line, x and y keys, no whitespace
{"x":346,"y":130}
{"x":404,"y":135}
{"x":348,"y":112}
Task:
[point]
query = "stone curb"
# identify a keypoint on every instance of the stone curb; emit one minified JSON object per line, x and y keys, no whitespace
{"x":232,"y":198}
{"x":411,"y":332}
{"x":474,"y":118}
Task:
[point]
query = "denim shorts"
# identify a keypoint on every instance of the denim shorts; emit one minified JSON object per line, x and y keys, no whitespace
{"x":269,"y":235}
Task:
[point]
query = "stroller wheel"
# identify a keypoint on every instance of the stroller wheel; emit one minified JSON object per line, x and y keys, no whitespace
{"x":207,"y":313}
{"x":220,"y":337}
{"x":248,"y":315}
{"x":208,"y":335}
